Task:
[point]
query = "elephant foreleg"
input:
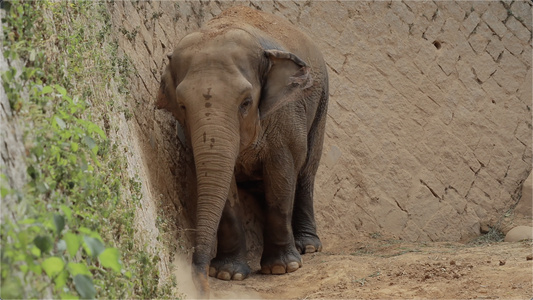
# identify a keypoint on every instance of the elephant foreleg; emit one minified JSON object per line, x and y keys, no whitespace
{"x":230,"y":261}
{"x":279,"y":252}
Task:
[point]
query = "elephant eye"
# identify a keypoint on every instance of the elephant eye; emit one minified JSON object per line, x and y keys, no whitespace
{"x":245,"y":105}
{"x":181,"y":105}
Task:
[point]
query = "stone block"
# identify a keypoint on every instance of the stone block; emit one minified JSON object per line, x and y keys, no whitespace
{"x":506,"y":81}
{"x":521,"y":32}
{"x":471,"y":22}
{"x":423,"y":8}
{"x":480,"y":6}
{"x":484,"y":66}
{"x":525,"y":91}
{"x":478,"y":42}
{"x":452,"y":9}
{"x":523,"y":132}
{"x":494,"y":24}
{"x":499,"y":10}
{"x":495,"y":48}
{"x":402,"y":11}
{"x":447,"y":61}
{"x":348,"y":40}
{"x":522,"y":11}
{"x":512,"y":43}
{"x":495,"y":93}
{"x":434,"y":29}
{"x":513,"y":66}
{"x":526,"y":56}
{"x":525,"y":205}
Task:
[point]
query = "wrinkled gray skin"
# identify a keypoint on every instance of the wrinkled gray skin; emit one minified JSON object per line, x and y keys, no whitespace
{"x":251,"y":93}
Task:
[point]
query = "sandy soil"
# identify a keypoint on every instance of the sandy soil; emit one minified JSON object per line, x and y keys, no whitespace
{"x":382,"y":268}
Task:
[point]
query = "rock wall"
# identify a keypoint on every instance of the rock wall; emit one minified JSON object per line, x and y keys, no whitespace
{"x":12,"y":150}
{"x":429,"y":124}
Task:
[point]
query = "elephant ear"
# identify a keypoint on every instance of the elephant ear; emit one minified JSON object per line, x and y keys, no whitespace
{"x":167,"y":81}
{"x":286,"y":77}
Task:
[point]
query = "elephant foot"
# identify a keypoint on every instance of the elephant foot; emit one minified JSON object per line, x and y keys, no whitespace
{"x":307,"y":243}
{"x":229,"y":268}
{"x":281,"y":261}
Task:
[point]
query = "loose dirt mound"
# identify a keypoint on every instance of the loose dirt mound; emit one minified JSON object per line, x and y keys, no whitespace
{"x":428,"y":139}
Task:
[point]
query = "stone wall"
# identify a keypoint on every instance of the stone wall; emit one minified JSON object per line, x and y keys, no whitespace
{"x":429,"y":124}
{"x":12,"y":150}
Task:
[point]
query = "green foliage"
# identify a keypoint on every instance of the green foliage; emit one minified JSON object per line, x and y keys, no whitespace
{"x":69,"y":233}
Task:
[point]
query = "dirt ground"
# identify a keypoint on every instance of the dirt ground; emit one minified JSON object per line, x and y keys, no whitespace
{"x":375,"y":267}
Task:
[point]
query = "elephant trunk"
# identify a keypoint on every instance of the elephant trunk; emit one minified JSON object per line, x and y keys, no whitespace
{"x":215,"y":143}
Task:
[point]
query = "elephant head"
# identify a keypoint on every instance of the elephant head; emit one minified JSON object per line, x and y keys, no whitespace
{"x":223,"y":86}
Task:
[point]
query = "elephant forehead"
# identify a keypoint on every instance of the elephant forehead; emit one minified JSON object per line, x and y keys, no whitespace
{"x":213,"y":86}
{"x":213,"y":45}
{"x":218,"y":39}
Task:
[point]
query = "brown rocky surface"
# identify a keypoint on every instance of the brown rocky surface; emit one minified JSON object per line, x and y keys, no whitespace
{"x":428,"y":138}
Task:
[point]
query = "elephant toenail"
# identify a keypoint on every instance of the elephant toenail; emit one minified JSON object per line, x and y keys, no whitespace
{"x":212,"y":272}
{"x":238,"y":276}
{"x":293,"y":266}
{"x":278,"y":270}
{"x":310,"y":249}
{"x":265,"y":270}
{"x":224,"y":276}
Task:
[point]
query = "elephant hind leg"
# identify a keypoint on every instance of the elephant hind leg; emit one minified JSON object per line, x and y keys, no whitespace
{"x":303,"y":219}
{"x":230,"y":261}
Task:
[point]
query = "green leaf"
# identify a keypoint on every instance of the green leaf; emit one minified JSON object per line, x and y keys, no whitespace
{"x":67,"y":211}
{"x":46,"y":90}
{"x":73,"y":243}
{"x":60,"y":122}
{"x":35,"y":251}
{"x":61,"y":280}
{"x":84,"y":286}
{"x":61,"y":90}
{"x":27,"y":221}
{"x":89,"y":142}
{"x":95,"y":128}
{"x":74,"y":146}
{"x":4,"y":192}
{"x":78,"y":268}
{"x":23,"y":239}
{"x":36,"y":268}
{"x":128,"y":274}
{"x":94,"y":246}
{"x":44,"y":243}
{"x":90,"y":233}
{"x":59,"y":221}
{"x":52,"y":266}
{"x":110,"y":258}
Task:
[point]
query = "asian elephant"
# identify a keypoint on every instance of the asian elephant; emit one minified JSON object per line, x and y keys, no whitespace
{"x":250,"y":92}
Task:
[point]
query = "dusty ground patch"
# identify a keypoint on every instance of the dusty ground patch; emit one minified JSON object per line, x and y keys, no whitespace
{"x":378,"y":268}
